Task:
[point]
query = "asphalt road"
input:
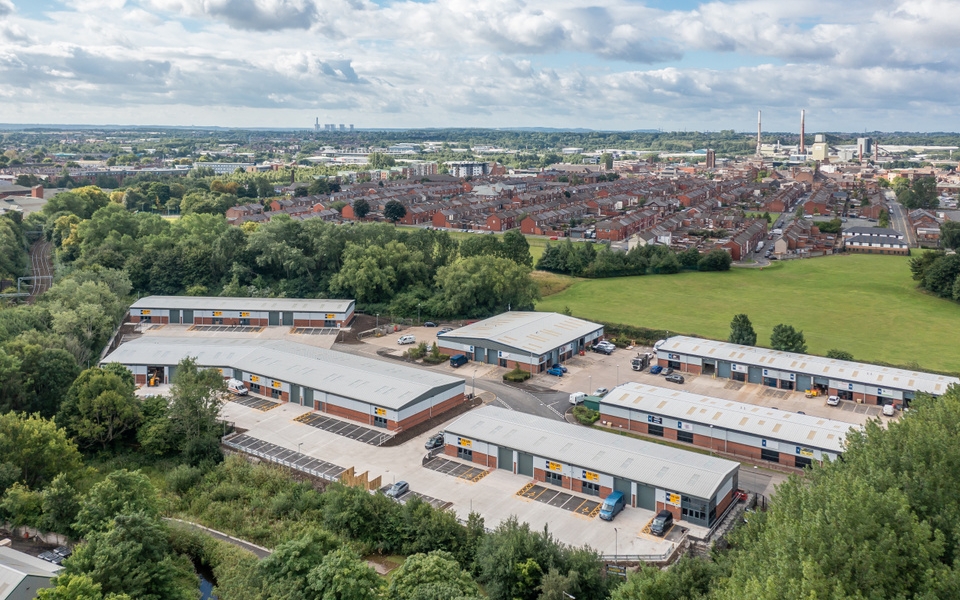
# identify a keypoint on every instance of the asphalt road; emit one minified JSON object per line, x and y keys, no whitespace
{"x":898,"y":219}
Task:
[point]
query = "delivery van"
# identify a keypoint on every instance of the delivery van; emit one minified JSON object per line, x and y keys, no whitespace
{"x":612,"y":505}
{"x":235,"y":386}
{"x":577,"y":397}
{"x":458,"y":360}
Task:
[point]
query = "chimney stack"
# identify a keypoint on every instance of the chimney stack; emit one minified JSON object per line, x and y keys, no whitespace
{"x":758,"y":132}
{"x":803,"y":146}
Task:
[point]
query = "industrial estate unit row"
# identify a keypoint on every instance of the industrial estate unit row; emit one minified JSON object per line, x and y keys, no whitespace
{"x":757,"y":432}
{"x":530,"y":340}
{"x":253,"y":312}
{"x":871,"y":384}
{"x":369,"y":391}
{"x":694,"y":487}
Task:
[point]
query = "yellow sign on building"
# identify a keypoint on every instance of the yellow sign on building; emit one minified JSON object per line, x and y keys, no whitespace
{"x":591,"y":476}
{"x":276,"y":384}
{"x":673,"y":499}
{"x":218,"y":313}
{"x":244,"y":314}
{"x":806,"y":452}
{"x":380,"y":412}
{"x":145,"y":312}
{"x":554,"y":466}
{"x":254,"y":379}
{"x":331,"y":316}
{"x":464,"y":442}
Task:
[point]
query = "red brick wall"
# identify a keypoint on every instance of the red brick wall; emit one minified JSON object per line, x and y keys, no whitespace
{"x":157,"y":320}
{"x":426,"y":413}
{"x":689,"y":368}
{"x":674,"y":510}
{"x":722,"y":505}
{"x":140,"y":379}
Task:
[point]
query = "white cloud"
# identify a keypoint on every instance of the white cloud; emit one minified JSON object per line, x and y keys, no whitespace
{"x":883,"y":64}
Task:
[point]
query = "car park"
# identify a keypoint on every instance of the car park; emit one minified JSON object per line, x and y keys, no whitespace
{"x":429,"y":324}
{"x":888,"y":410}
{"x":655,"y":369}
{"x":555,"y":371}
{"x":833,"y":400}
{"x":667,"y":371}
{"x":603,"y":350}
{"x":52,"y":557}
{"x":675,"y":378}
{"x":63,"y":551}
{"x":407,"y":339}
{"x":661,"y":523}
{"x":398,"y":489}
{"x":600,"y":392}
{"x":435,"y":441}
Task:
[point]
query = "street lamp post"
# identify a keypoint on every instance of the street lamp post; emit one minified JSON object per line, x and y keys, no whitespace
{"x":589,"y":383}
{"x":378,"y":323}
{"x":616,"y":545}
{"x":711,"y":440}
{"x":300,"y":445}
{"x":418,"y":312}
{"x":618,"y":374}
{"x":475,"y":382}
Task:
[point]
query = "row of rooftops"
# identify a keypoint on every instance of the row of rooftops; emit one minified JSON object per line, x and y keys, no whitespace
{"x":657,"y":465}
{"x":309,"y":305}
{"x":808,"y":364}
{"x":761,"y":421}
{"x":375,"y":382}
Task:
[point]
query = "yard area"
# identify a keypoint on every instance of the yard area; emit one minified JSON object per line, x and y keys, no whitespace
{"x":866,"y":305}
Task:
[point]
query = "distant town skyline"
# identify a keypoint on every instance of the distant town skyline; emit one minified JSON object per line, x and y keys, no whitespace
{"x":879,"y":65}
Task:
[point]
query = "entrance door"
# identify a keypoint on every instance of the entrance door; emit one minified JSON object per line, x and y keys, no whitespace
{"x":380,"y":422}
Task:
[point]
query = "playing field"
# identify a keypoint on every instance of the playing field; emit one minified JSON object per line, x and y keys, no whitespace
{"x":866,"y":305}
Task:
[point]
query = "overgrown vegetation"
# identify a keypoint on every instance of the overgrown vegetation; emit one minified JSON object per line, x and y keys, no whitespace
{"x":585,"y":260}
{"x":586,"y":416}
{"x":516,"y":375}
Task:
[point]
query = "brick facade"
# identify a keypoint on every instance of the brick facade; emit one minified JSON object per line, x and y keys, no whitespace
{"x":367,"y":419}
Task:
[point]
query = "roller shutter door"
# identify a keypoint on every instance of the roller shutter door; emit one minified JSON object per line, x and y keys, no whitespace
{"x":505,"y":459}
{"x":525,"y":464}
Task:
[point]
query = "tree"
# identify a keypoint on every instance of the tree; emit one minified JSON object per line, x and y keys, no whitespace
{"x":361,"y":208}
{"x":376,"y":273}
{"x":394,"y":210}
{"x":516,"y":247}
{"x":511,"y":560}
{"x":606,"y":159}
{"x":688,"y":579}
{"x":76,"y":587}
{"x":941,"y":275}
{"x":22,"y":506}
{"x":433,"y":576}
{"x":41,"y":379}
{"x":132,"y":555}
{"x":689,"y":257}
{"x":61,"y":504}
{"x":100,"y":407}
{"x":35,"y":449}
{"x":379,"y":160}
{"x":787,"y":339}
{"x":342,"y":575}
{"x":482,"y":286}
{"x":556,"y":586}
{"x":195,"y":400}
{"x":741,"y":331}
{"x":286,"y":570}
{"x":884,"y":220}
{"x":715,"y":260}
{"x":950,"y":234}
{"x":839,"y":354}
{"x":122,"y":492}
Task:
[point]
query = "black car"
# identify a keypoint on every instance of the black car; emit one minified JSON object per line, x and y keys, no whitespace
{"x":51,"y":557}
{"x":429,"y":324}
{"x":675,"y":378}
{"x":661,"y":523}
{"x":62,"y":551}
{"x":435,"y":441}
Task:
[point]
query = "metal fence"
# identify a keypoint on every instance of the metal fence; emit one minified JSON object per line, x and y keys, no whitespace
{"x":285,"y":463}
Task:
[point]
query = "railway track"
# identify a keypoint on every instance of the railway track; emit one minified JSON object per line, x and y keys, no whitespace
{"x":40,"y":267}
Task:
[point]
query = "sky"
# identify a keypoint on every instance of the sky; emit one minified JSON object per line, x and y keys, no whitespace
{"x":854,"y":65}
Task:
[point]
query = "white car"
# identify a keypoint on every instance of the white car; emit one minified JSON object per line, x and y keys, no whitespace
{"x":888,"y":410}
{"x":833,"y":400}
{"x":407,"y":339}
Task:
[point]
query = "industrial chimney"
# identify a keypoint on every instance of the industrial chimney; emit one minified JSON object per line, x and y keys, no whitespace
{"x":758,"y":132}
{"x":803,"y":146}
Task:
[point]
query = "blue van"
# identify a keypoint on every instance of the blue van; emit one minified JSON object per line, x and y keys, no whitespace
{"x":612,"y":505}
{"x":458,"y":359}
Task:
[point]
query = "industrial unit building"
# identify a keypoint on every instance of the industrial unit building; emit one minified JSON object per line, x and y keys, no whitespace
{"x":849,"y":380}
{"x":370,"y":391}
{"x":531,"y":340}
{"x":757,"y":432}
{"x":254,"y":312}
{"x":22,"y":575}
{"x":694,"y":487}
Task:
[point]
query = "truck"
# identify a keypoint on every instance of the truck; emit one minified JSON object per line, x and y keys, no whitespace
{"x":640,"y":361}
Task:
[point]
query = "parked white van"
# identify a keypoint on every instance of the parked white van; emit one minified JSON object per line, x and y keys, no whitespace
{"x":235,"y":386}
{"x":407,"y":339}
{"x":576,"y":397}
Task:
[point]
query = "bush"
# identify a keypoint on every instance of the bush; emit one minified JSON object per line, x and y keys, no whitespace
{"x":516,"y":375}
{"x":586,"y":416}
{"x":417,"y":352}
{"x":435,"y":358}
{"x":183,"y":478}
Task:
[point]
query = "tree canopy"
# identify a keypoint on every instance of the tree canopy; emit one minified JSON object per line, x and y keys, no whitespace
{"x":741,"y":331}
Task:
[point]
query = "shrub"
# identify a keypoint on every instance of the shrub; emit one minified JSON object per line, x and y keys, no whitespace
{"x":435,"y":358}
{"x":417,"y":352}
{"x":586,"y":416}
{"x":516,"y":375}
{"x":182,"y":478}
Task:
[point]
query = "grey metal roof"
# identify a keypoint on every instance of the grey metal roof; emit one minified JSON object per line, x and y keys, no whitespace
{"x":870,"y":231}
{"x":875,"y":240}
{"x":657,"y":465}
{"x":527,"y":331}
{"x":842,"y":370}
{"x":230,"y":303}
{"x":382,"y":383}
{"x":15,"y":566}
{"x":803,"y":430}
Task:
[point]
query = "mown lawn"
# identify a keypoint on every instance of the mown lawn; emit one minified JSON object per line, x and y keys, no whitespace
{"x":866,"y":305}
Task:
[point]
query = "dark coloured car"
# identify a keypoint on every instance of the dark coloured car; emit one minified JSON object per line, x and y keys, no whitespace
{"x":435,"y":441}
{"x":561,"y":367}
{"x":661,"y":523}
{"x":63,"y":551}
{"x":555,"y":371}
{"x":429,"y":324}
{"x":51,"y":557}
{"x":398,"y":489}
{"x":675,"y":378}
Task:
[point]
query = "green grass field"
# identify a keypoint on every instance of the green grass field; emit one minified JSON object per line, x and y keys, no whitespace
{"x":866,"y":305}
